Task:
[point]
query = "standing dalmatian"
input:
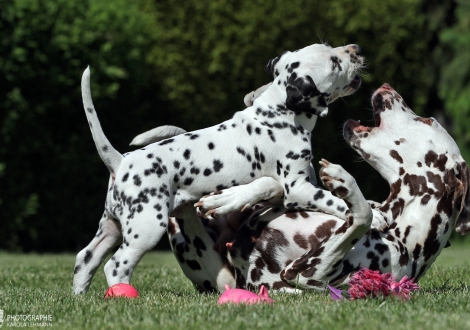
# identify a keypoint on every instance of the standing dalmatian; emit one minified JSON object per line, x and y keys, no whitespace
{"x":271,"y":138}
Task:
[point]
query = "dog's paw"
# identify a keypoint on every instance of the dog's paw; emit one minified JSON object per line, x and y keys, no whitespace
{"x":239,"y":198}
{"x":378,"y":221}
{"x":226,"y":201}
{"x":336,"y":179}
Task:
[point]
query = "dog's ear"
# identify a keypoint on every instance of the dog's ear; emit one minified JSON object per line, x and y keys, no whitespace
{"x":457,"y":182}
{"x":303,"y":95}
{"x":271,"y":66}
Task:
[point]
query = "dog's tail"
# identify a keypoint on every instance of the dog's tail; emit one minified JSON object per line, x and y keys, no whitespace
{"x":110,"y":156}
{"x":157,"y":134}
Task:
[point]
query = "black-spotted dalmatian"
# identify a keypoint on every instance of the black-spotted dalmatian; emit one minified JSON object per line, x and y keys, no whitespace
{"x":270,"y":138}
{"x":289,"y":250}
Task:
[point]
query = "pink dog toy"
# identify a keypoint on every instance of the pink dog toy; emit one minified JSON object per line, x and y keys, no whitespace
{"x":121,"y":290}
{"x":367,"y":283}
{"x":240,"y":296}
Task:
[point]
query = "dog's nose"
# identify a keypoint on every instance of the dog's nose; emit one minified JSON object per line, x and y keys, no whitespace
{"x":387,"y":86}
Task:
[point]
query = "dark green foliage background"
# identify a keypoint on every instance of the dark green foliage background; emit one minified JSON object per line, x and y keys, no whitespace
{"x":190,"y":64}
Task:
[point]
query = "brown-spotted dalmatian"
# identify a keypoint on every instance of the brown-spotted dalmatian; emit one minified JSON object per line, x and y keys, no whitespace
{"x":271,"y":138}
{"x":289,"y":250}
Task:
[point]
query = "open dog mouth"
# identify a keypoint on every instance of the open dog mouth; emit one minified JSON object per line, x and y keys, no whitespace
{"x":356,"y":82}
{"x":357,"y":127}
{"x":379,"y":102}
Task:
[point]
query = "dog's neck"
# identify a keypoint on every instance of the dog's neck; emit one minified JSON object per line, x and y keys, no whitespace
{"x":270,"y":107}
{"x":421,"y":215}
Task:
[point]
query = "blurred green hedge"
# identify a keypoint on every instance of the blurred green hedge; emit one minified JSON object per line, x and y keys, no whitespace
{"x":190,"y":64}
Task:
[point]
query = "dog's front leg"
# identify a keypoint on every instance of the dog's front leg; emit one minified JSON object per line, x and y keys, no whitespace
{"x":343,"y":185}
{"x":301,"y":194}
{"x":319,"y":265}
{"x":240,"y":197}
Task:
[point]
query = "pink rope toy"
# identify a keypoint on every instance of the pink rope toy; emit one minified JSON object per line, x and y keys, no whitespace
{"x":368,"y":283}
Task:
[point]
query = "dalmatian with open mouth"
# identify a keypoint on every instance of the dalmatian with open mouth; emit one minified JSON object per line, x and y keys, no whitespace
{"x":271,"y":138}
{"x":289,"y":250}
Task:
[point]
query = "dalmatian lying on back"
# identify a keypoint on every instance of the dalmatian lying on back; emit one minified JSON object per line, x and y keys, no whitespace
{"x":288,"y":250}
{"x":271,"y":138}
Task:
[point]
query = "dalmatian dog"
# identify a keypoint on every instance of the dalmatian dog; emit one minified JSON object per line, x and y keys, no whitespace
{"x":289,"y":250}
{"x":271,"y":138}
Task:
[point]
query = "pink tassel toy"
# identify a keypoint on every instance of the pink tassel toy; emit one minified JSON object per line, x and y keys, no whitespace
{"x":368,"y":283}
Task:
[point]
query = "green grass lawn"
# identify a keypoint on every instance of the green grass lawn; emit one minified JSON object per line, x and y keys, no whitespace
{"x":42,"y":284}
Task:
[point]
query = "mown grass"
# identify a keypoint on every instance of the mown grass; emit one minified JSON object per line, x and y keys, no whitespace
{"x":41,"y":284}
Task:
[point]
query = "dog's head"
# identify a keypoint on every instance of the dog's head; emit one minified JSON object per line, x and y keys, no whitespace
{"x":317,"y":75}
{"x":414,"y":153}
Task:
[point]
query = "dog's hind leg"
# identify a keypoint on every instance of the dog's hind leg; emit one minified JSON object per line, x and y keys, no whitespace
{"x":193,"y":244}
{"x":140,"y":234}
{"x":90,"y":258}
